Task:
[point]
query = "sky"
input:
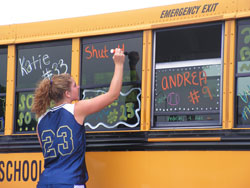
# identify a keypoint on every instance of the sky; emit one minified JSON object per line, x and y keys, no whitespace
{"x":25,"y":11}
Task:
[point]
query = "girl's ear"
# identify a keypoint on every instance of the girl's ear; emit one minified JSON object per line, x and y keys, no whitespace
{"x":67,"y":94}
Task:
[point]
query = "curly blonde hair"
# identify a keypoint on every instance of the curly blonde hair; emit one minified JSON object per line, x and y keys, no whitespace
{"x":50,"y":90}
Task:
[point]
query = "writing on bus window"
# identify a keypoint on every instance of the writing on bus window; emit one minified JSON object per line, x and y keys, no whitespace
{"x":198,"y":78}
{"x":179,"y":118}
{"x":244,"y":49}
{"x":25,"y":120}
{"x":97,"y":62}
{"x":120,"y":112}
{"x":243,"y":66}
{"x":99,"y":53}
{"x":42,"y":63}
{"x":187,"y":89}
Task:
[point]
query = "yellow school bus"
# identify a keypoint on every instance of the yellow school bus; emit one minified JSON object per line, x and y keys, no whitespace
{"x":183,"y":115}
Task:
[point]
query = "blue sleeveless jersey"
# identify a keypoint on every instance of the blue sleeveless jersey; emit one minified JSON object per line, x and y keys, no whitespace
{"x":63,"y":145}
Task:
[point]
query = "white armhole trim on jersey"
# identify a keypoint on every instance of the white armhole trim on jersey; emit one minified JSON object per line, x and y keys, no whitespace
{"x":79,"y":186}
{"x":41,"y":117}
{"x":69,"y":108}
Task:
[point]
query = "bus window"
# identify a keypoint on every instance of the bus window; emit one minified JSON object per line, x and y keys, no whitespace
{"x":96,"y":73}
{"x":3,"y":75}
{"x":35,"y":62}
{"x":243,"y":73}
{"x":187,"y":78}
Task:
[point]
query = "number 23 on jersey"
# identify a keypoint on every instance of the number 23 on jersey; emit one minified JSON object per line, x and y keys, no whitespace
{"x":64,"y":138}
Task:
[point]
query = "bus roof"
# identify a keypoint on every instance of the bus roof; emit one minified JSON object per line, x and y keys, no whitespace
{"x":118,"y":22}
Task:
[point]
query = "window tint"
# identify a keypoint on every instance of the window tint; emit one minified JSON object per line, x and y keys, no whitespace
{"x":190,"y":43}
{"x":3,"y":78}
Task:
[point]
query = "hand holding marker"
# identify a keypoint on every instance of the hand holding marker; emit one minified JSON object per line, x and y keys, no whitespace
{"x":113,"y":51}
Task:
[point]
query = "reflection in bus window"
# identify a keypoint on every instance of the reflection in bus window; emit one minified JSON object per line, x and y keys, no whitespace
{"x":187,"y":87}
{"x":243,"y":73}
{"x":190,"y":43}
{"x":36,"y":62}
{"x":2,"y":113}
{"x":3,"y":78}
{"x":96,"y":73}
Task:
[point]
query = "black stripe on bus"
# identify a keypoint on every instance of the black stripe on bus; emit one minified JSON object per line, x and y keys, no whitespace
{"x":139,"y":141}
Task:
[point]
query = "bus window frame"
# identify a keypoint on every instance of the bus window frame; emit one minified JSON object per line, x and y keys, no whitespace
{"x":110,"y":38}
{"x":42,"y":44}
{"x":187,"y":124}
{"x":238,"y":75}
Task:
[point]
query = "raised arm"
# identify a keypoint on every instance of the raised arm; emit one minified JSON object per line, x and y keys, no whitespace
{"x":84,"y":108}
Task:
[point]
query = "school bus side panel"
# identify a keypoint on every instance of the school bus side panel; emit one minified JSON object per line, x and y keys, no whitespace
{"x":172,"y":169}
{"x":140,"y":169}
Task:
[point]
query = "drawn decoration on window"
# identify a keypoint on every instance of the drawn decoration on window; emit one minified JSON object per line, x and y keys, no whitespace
{"x":244,"y":96}
{"x":187,"y":89}
{"x":117,"y":113}
{"x":244,"y":50}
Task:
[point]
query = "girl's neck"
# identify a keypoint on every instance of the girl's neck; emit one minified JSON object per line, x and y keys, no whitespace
{"x":62,"y":102}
